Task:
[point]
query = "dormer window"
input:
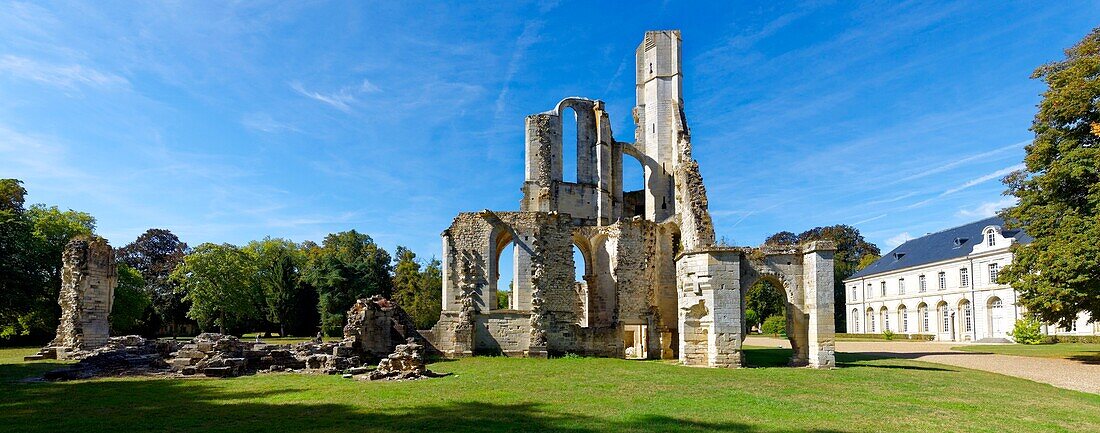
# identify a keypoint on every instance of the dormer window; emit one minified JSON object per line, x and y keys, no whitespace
{"x":990,"y":238}
{"x":898,"y":256}
{"x":960,"y":241}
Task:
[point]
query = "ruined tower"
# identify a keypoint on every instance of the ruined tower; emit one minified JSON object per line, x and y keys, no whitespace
{"x":654,"y":285}
{"x":88,"y":280}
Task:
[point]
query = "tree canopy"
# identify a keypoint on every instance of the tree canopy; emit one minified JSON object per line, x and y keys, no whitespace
{"x":347,"y":266}
{"x":155,"y":254}
{"x":219,"y":281}
{"x":1058,"y":274}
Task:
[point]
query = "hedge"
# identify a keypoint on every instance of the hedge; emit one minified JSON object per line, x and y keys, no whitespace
{"x":916,"y":337}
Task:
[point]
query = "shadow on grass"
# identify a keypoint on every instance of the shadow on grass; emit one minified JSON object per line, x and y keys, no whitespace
{"x":196,"y":405}
{"x":776,"y":357}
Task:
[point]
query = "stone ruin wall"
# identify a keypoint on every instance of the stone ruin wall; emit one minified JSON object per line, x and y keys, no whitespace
{"x":88,"y":280}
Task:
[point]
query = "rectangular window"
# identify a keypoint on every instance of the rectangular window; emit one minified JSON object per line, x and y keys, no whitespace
{"x":922,"y":284}
{"x":964,"y":278}
{"x":867,"y":293}
{"x":993,"y":273}
{"x":882,"y":286}
{"x":943,"y":280}
{"x":901,"y":286}
{"x":853,"y":293}
{"x":990,"y":239}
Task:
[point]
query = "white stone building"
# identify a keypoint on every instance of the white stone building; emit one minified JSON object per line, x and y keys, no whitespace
{"x":944,"y":284}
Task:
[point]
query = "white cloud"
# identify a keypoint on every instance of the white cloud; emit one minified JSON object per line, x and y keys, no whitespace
{"x":64,"y":76}
{"x":988,"y":209}
{"x":368,"y":87}
{"x":525,"y":40}
{"x":265,"y":123}
{"x":340,"y":100}
{"x":994,"y":175}
{"x":898,"y":239}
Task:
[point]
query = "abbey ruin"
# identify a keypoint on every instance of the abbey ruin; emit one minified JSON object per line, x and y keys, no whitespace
{"x":655,"y":285}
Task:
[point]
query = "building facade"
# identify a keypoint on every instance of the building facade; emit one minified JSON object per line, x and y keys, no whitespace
{"x":945,"y":284}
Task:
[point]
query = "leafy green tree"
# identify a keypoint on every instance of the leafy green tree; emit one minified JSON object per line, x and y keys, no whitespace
{"x":766,"y":299}
{"x":130,"y":301}
{"x":751,"y":318}
{"x":52,"y":229}
{"x":19,"y":282}
{"x":418,"y":292}
{"x":347,"y":266}
{"x":155,"y":254}
{"x":774,"y":325}
{"x":1058,"y":274}
{"x":278,"y":264}
{"x":219,"y":281}
{"x":865,"y":261}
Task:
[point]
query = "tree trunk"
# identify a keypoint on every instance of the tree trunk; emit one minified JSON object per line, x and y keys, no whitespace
{"x":221,"y":323}
{"x":282,"y":330}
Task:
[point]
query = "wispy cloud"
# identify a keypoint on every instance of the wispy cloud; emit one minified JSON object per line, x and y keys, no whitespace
{"x":898,"y":239}
{"x":874,"y":218}
{"x":988,"y":209}
{"x":263,"y":122}
{"x":342,"y":99}
{"x":66,"y":76}
{"x":983,"y":179}
{"x":523,"y":43}
{"x":940,"y":168}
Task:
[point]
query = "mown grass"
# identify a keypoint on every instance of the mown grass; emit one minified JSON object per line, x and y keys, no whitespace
{"x":570,"y":394}
{"x":1084,"y":352}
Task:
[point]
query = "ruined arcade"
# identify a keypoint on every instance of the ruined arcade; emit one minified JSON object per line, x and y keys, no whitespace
{"x":655,"y":285}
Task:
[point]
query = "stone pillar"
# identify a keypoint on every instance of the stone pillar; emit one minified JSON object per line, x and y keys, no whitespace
{"x":543,"y":162}
{"x":88,"y":280}
{"x":817,"y":280}
{"x":710,"y":308}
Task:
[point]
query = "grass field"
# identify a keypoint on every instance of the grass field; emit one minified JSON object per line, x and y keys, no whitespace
{"x":1089,"y":353}
{"x":572,"y":395}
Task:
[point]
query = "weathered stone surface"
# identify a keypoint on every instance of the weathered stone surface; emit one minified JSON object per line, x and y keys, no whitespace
{"x":88,"y":280}
{"x":405,"y":363}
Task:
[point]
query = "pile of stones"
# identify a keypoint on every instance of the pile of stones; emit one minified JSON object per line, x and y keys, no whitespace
{"x":128,"y":355}
{"x":405,"y":363}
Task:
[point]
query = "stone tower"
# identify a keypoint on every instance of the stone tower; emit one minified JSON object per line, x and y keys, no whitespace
{"x":657,"y":117}
{"x":88,"y":281}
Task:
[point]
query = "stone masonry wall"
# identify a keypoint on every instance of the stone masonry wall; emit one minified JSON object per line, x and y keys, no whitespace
{"x":88,"y":280}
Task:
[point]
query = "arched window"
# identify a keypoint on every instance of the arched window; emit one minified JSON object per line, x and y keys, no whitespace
{"x":855,"y":321}
{"x":922,"y":311}
{"x":945,"y":318}
{"x":870,"y":321}
{"x":569,"y":155}
{"x":991,"y":238}
{"x":968,"y":322}
{"x":885,"y":319}
{"x":903,"y":318}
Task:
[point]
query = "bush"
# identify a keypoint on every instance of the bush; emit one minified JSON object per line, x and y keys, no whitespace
{"x":888,"y":334}
{"x":751,"y":318}
{"x":775,"y":325}
{"x":1027,"y":331}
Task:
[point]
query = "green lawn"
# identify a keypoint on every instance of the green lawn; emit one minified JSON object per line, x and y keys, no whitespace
{"x":572,"y":395}
{"x":1089,"y":353}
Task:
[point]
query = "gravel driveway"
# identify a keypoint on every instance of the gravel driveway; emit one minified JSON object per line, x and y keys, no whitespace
{"x":1062,"y":373}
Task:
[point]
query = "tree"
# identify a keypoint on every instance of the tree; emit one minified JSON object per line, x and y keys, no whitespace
{"x":765,"y":299}
{"x":347,"y":266}
{"x":52,"y":229}
{"x":19,"y":283}
{"x":130,"y":301}
{"x":852,"y":253}
{"x":278,"y":263}
{"x":155,"y":254}
{"x":219,"y":281}
{"x":1058,"y":274}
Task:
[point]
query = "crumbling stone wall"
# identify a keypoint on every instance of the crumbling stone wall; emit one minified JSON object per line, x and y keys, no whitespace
{"x":88,"y":280}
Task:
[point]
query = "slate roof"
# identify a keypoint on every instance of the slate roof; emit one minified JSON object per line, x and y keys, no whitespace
{"x":939,"y":246}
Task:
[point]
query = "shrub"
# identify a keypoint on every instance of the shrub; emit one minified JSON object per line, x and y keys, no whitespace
{"x":888,"y":334}
{"x":1027,"y":331}
{"x":774,"y":325}
{"x":751,"y":318}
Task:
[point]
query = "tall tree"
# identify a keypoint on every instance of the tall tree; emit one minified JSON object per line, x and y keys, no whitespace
{"x":19,"y":282}
{"x":1058,"y":275}
{"x":52,"y":230}
{"x":130,"y":301}
{"x":418,"y":292}
{"x":219,"y":281}
{"x":347,"y":266}
{"x":155,"y":254}
{"x":278,"y":263}
{"x":852,"y":254}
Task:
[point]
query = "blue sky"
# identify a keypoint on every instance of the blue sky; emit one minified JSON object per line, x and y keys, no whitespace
{"x":233,"y":122}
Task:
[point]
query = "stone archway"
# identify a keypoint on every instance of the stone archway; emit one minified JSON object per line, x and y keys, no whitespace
{"x":797,"y":321}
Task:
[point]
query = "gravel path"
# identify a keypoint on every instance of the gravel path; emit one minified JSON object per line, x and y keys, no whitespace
{"x":1062,"y":373}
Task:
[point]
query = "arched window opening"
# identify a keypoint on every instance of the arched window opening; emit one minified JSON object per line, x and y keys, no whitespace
{"x":569,"y":145}
{"x":633,"y":187}
{"x":991,"y":238}
{"x":922,"y":312}
{"x":903,"y":318}
{"x":968,"y":322}
{"x":885,"y":319}
{"x":945,"y":318}
{"x":505,"y":283}
{"x":870,"y":321}
{"x":855,"y":321}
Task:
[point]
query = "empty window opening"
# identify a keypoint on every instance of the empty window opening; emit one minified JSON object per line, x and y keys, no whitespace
{"x":505,"y":283}
{"x":569,"y":145}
